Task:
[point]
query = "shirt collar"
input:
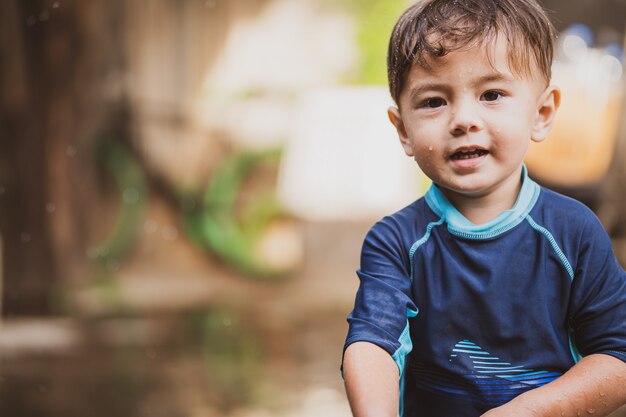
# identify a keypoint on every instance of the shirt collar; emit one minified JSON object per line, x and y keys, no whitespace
{"x":461,"y":226}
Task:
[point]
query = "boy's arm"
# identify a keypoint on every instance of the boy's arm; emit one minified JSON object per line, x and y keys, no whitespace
{"x":595,"y":386}
{"x":372,"y":381}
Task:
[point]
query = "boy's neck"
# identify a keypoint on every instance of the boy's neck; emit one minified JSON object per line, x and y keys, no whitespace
{"x":480,"y":209}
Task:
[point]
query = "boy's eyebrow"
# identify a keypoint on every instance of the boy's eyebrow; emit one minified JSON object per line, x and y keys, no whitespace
{"x":497,"y":76}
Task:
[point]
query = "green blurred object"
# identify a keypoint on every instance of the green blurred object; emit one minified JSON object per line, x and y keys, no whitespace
{"x":215,"y":225}
{"x":375,"y":20}
{"x":130,"y":180}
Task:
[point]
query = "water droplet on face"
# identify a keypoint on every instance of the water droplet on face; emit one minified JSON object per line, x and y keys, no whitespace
{"x":70,"y":151}
{"x":430,"y":148}
{"x":55,"y":5}
{"x":591,"y":411}
{"x":25,"y":237}
{"x":50,"y":208}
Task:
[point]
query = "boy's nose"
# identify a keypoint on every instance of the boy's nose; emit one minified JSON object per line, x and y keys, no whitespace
{"x":464,"y":119}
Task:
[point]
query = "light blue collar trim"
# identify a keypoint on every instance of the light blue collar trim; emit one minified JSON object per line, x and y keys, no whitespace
{"x":459,"y":225}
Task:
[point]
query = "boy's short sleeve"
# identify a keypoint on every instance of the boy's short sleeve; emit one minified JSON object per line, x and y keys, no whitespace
{"x":598,"y":303}
{"x":383,"y":301}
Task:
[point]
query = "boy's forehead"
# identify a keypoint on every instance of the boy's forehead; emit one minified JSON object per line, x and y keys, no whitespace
{"x":488,"y":56}
{"x":493,"y":57}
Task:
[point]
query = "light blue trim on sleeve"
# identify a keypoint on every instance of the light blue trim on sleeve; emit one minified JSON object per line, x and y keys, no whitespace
{"x":406,"y":345}
{"x":573,"y":350}
{"x":399,"y":356}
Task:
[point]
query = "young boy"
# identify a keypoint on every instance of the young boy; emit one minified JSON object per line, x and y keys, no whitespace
{"x":490,"y":295}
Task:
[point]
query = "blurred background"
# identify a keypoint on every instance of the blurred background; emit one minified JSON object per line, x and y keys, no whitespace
{"x":185,"y":186}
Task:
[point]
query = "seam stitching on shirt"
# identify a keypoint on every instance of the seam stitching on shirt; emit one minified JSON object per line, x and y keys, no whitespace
{"x":422,"y":240}
{"x":555,"y":246}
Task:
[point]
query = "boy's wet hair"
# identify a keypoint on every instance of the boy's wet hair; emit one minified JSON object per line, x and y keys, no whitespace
{"x":433,"y":28}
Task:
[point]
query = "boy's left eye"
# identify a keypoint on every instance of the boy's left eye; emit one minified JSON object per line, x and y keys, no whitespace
{"x":491,"y":95}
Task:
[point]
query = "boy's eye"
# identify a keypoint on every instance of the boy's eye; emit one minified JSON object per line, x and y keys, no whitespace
{"x":434,"y":102}
{"x":491,"y":95}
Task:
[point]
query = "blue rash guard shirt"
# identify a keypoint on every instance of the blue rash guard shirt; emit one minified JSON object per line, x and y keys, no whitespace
{"x":474,"y":315}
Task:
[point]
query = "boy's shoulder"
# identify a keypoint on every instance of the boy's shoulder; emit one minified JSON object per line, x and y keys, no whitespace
{"x":565,"y":216}
{"x":405,"y":225}
{"x":559,"y":206}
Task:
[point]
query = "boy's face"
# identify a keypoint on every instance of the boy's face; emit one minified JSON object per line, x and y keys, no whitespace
{"x":468,"y":121}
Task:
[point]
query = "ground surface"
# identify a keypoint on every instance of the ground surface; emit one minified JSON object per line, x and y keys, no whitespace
{"x":226,"y":346}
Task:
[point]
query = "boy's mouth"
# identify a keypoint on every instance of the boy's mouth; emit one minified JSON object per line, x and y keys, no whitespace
{"x":468,"y":153}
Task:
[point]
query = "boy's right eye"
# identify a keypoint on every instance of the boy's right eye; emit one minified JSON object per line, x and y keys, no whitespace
{"x":433,"y":103}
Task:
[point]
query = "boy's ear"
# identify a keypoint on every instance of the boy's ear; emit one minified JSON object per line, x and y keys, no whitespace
{"x":544,"y":119}
{"x":396,"y":120}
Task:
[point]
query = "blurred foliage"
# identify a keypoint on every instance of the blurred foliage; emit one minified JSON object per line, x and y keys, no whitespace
{"x":213,"y":221}
{"x":131,"y":183}
{"x":233,"y":354}
{"x":375,"y":20}
{"x":215,"y":225}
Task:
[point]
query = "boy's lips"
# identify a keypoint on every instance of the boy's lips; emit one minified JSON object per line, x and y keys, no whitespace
{"x":468,"y":152}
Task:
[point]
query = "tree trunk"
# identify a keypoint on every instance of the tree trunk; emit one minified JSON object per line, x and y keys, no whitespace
{"x":55,"y":60}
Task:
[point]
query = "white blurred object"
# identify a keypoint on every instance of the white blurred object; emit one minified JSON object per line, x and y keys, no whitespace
{"x":343,"y":160}
{"x":292,"y":44}
{"x":252,"y":123}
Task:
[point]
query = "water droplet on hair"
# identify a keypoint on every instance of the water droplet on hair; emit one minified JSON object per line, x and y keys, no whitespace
{"x":50,"y":208}
{"x":25,"y":237}
{"x":70,"y":151}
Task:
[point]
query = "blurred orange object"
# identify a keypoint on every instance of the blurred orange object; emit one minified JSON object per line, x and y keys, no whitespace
{"x":580,"y":148}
